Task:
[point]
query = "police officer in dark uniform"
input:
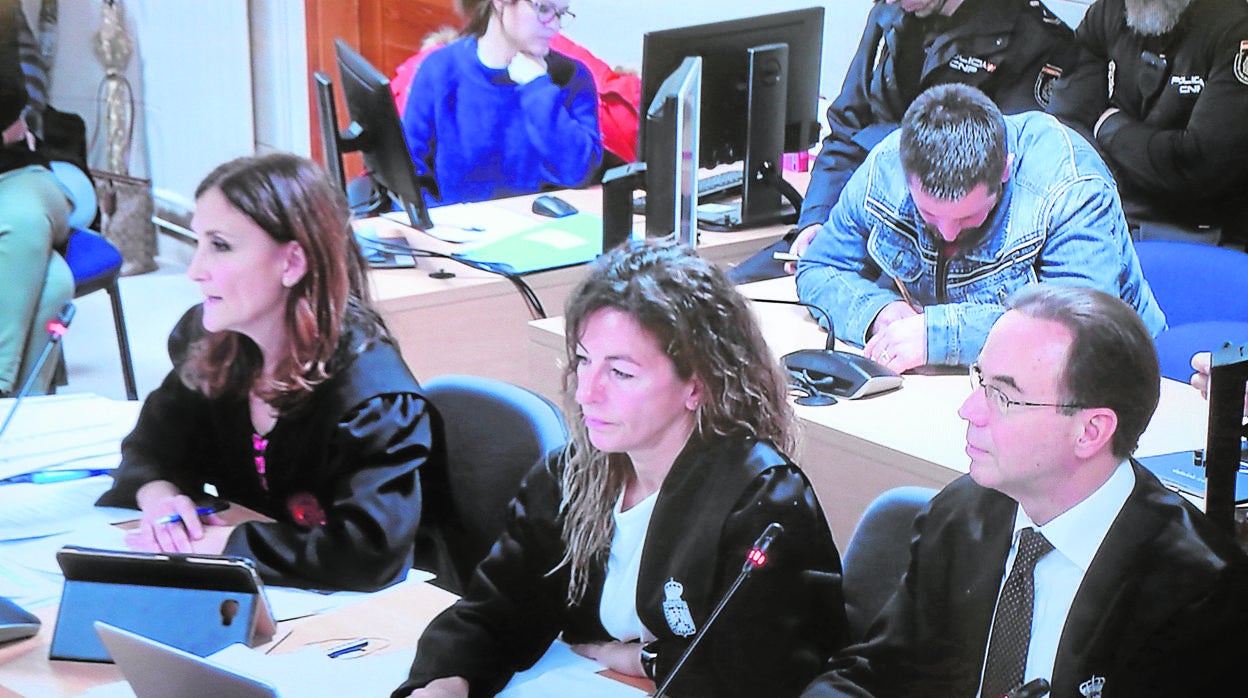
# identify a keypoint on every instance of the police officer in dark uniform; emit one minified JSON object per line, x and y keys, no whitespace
{"x":1012,"y":50}
{"x":1161,"y":88}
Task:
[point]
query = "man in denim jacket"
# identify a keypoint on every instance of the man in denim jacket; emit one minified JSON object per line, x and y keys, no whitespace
{"x":950,"y":215}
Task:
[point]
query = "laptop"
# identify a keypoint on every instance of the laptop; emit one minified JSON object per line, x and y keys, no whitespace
{"x":16,"y":623}
{"x":559,"y":242}
{"x":157,"y":670}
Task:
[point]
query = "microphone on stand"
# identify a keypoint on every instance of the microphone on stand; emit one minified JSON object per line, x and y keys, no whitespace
{"x":757,"y":557}
{"x":56,"y":329}
{"x":826,"y":374}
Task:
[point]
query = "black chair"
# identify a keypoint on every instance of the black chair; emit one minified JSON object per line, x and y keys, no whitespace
{"x":494,"y":433}
{"x":879,"y":553}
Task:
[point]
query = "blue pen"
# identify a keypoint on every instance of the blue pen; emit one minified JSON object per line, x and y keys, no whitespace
{"x":201,"y":511}
{"x":347,"y":648}
{"x":47,"y":477}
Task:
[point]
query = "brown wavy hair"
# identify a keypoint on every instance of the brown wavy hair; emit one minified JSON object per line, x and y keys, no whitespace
{"x":292,"y":199}
{"x":707,"y":330}
{"x":477,"y":13}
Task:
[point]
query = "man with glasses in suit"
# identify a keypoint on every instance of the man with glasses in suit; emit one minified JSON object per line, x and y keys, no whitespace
{"x":1058,"y":558}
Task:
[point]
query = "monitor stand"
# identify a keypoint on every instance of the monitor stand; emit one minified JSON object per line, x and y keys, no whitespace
{"x":1228,"y":381}
{"x":761,"y":201}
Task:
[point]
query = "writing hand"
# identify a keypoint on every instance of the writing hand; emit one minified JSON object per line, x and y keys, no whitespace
{"x":902,"y":345}
{"x":171,"y":523}
{"x":800,"y":244}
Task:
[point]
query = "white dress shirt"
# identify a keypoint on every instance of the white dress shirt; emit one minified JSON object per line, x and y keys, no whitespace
{"x":1076,"y":535}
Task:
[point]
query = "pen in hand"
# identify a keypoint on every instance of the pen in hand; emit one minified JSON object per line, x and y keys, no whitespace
{"x":905,"y":296}
{"x":200,"y":511}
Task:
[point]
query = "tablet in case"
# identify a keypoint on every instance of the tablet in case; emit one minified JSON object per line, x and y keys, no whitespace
{"x":196,"y":603}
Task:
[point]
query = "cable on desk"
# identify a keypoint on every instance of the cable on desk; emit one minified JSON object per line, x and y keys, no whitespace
{"x":534,"y":304}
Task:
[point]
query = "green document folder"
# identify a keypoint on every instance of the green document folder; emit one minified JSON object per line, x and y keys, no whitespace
{"x":559,"y":242}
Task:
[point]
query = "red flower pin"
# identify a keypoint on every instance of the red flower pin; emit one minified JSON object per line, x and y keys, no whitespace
{"x":305,"y":510}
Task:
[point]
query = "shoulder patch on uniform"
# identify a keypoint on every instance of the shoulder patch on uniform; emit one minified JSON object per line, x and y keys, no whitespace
{"x":1241,"y":63}
{"x":1044,"y":83}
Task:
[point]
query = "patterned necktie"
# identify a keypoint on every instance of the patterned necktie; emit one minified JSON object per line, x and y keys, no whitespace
{"x":1011,"y":624}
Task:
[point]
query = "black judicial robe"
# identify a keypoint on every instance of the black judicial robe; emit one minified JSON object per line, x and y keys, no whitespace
{"x":718,"y":497}
{"x":351,"y":457}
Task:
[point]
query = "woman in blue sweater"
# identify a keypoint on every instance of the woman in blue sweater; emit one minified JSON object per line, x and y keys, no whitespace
{"x":497,"y":113}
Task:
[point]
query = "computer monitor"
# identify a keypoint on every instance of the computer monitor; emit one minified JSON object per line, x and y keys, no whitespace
{"x":760,"y":87}
{"x":671,"y":154}
{"x":375,"y":132}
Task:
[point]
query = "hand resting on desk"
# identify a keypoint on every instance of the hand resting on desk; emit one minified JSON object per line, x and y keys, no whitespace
{"x":449,"y":687}
{"x":161,"y":498}
{"x":624,"y":657}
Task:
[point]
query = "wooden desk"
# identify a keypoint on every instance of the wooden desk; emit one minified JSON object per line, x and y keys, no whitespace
{"x":399,"y":615}
{"x":476,"y":322}
{"x":856,"y":449}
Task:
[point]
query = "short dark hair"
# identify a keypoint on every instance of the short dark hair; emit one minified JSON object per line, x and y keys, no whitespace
{"x":1112,"y":361}
{"x":952,"y":139}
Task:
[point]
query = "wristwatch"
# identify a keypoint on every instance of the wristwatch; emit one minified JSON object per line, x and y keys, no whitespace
{"x":650,"y":658}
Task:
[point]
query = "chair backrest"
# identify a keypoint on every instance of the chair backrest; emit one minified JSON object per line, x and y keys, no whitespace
{"x":1177,"y":344}
{"x":494,"y":433}
{"x":1194,"y":282}
{"x":879,"y":553}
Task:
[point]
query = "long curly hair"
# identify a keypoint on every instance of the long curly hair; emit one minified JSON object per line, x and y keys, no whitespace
{"x":292,"y":199}
{"x":707,"y":330}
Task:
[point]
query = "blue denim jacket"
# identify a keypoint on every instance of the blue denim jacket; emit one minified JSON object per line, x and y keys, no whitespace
{"x":1059,"y":220}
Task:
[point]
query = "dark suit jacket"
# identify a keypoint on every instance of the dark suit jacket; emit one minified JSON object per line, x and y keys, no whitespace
{"x":1162,"y":611}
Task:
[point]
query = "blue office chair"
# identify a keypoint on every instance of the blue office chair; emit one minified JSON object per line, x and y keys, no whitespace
{"x":878,"y":554}
{"x":1196,"y":283}
{"x":494,"y":432}
{"x":1176,"y":345}
{"x":94,"y":261}
{"x":1203,"y":291}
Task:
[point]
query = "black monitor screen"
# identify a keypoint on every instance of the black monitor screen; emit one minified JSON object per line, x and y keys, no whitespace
{"x":376,"y":132}
{"x":724,"y":48}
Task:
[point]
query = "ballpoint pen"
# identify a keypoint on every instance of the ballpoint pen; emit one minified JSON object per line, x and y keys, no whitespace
{"x":905,"y":295}
{"x":200,"y":511}
{"x":347,"y":648}
{"x":47,"y":477}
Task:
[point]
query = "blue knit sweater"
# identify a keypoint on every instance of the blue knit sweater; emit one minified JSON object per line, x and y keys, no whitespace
{"x":485,"y":137}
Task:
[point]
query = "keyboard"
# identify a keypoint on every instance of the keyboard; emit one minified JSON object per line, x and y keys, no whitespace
{"x":711,"y":187}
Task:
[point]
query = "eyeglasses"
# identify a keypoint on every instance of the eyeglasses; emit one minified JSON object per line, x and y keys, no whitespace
{"x":546,"y":12}
{"x":1003,"y":402}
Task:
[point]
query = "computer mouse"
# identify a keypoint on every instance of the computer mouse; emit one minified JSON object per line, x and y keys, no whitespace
{"x":841,"y":373}
{"x":552,"y":206}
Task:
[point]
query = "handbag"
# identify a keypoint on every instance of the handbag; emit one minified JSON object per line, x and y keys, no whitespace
{"x":126,"y":209}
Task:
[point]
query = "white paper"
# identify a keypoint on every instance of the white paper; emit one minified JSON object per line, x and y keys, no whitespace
{"x":562,"y":672}
{"x":309,"y":672}
{"x":470,"y":222}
